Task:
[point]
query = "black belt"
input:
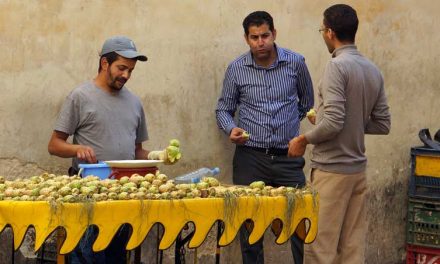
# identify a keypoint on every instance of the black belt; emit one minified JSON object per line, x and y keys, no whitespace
{"x":271,"y":151}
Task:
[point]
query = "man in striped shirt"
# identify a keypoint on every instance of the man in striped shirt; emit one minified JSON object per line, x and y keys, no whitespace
{"x":272,"y":91}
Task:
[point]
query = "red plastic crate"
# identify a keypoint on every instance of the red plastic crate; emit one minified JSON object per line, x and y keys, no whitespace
{"x":118,"y":173}
{"x":422,"y":255}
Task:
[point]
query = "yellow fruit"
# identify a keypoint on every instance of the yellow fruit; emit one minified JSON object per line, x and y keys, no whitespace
{"x":311,"y":113}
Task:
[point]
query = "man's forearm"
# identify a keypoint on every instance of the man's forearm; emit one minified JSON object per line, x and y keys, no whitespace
{"x":62,"y":149}
{"x":140,"y":153}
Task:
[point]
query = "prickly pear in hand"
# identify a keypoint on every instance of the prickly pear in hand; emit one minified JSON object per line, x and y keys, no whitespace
{"x":169,"y":155}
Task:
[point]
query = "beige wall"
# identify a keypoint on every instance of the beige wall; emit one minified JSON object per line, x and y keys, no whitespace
{"x":48,"y":47}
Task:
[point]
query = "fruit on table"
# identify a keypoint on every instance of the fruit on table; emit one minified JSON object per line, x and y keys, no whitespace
{"x":65,"y":189}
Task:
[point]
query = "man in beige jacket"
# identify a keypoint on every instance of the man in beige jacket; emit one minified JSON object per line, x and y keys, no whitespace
{"x":351,"y":103}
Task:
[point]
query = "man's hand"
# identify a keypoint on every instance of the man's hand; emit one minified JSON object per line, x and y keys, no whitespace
{"x":58,"y":146}
{"x":238,"y":136}
{"x":86,"y":153}
{"x":297,"y":146}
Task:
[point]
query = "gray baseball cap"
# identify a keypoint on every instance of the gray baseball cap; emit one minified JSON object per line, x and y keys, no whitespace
{"x":123,"y":46}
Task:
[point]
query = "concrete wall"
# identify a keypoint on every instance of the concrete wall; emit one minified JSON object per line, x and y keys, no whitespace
{"x":48,"y":47}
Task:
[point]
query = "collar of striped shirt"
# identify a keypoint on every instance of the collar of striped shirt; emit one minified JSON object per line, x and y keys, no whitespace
{"x":249,"y":61}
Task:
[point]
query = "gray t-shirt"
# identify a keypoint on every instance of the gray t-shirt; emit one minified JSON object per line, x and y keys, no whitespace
{"x":110,"y":123}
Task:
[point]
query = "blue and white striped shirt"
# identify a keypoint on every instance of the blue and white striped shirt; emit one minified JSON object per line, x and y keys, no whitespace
{"x":270,"y":101}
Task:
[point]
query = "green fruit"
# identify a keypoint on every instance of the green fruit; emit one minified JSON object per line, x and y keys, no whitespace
{"x":175,"y":143}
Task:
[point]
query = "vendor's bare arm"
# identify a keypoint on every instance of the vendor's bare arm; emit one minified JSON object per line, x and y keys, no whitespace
{"x":141,"y":153}
{"x":59,"y":147}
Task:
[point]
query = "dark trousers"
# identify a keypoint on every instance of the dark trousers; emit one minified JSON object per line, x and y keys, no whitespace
{"x":115,"y":253}
{"x":275,"y":170}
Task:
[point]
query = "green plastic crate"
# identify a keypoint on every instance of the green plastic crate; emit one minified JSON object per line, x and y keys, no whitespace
{"x":423,"y":223}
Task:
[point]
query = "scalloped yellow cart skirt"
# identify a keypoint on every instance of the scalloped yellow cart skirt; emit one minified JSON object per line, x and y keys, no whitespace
{"x":172,"y":214}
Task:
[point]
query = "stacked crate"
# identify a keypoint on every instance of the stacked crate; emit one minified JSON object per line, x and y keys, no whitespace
{"x":423,"y":221}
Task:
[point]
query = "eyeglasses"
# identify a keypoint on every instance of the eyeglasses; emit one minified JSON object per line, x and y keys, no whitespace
{"x":323,"y":29}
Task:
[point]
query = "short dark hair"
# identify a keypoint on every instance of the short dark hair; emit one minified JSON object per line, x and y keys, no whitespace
{"x":343,"y":20}
{"x":111,"y":57}
{"x":257,"y":18}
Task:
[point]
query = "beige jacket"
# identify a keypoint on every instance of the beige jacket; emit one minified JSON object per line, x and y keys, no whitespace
{"x":351,"y":103}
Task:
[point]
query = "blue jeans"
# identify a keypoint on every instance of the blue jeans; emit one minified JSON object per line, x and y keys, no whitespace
{"x":275,"y":170}
{"x":115,"y":253}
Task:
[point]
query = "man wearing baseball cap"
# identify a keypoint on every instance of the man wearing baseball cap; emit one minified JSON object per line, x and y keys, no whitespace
{"x":107,"y":122}
{"x":123,"y":46}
